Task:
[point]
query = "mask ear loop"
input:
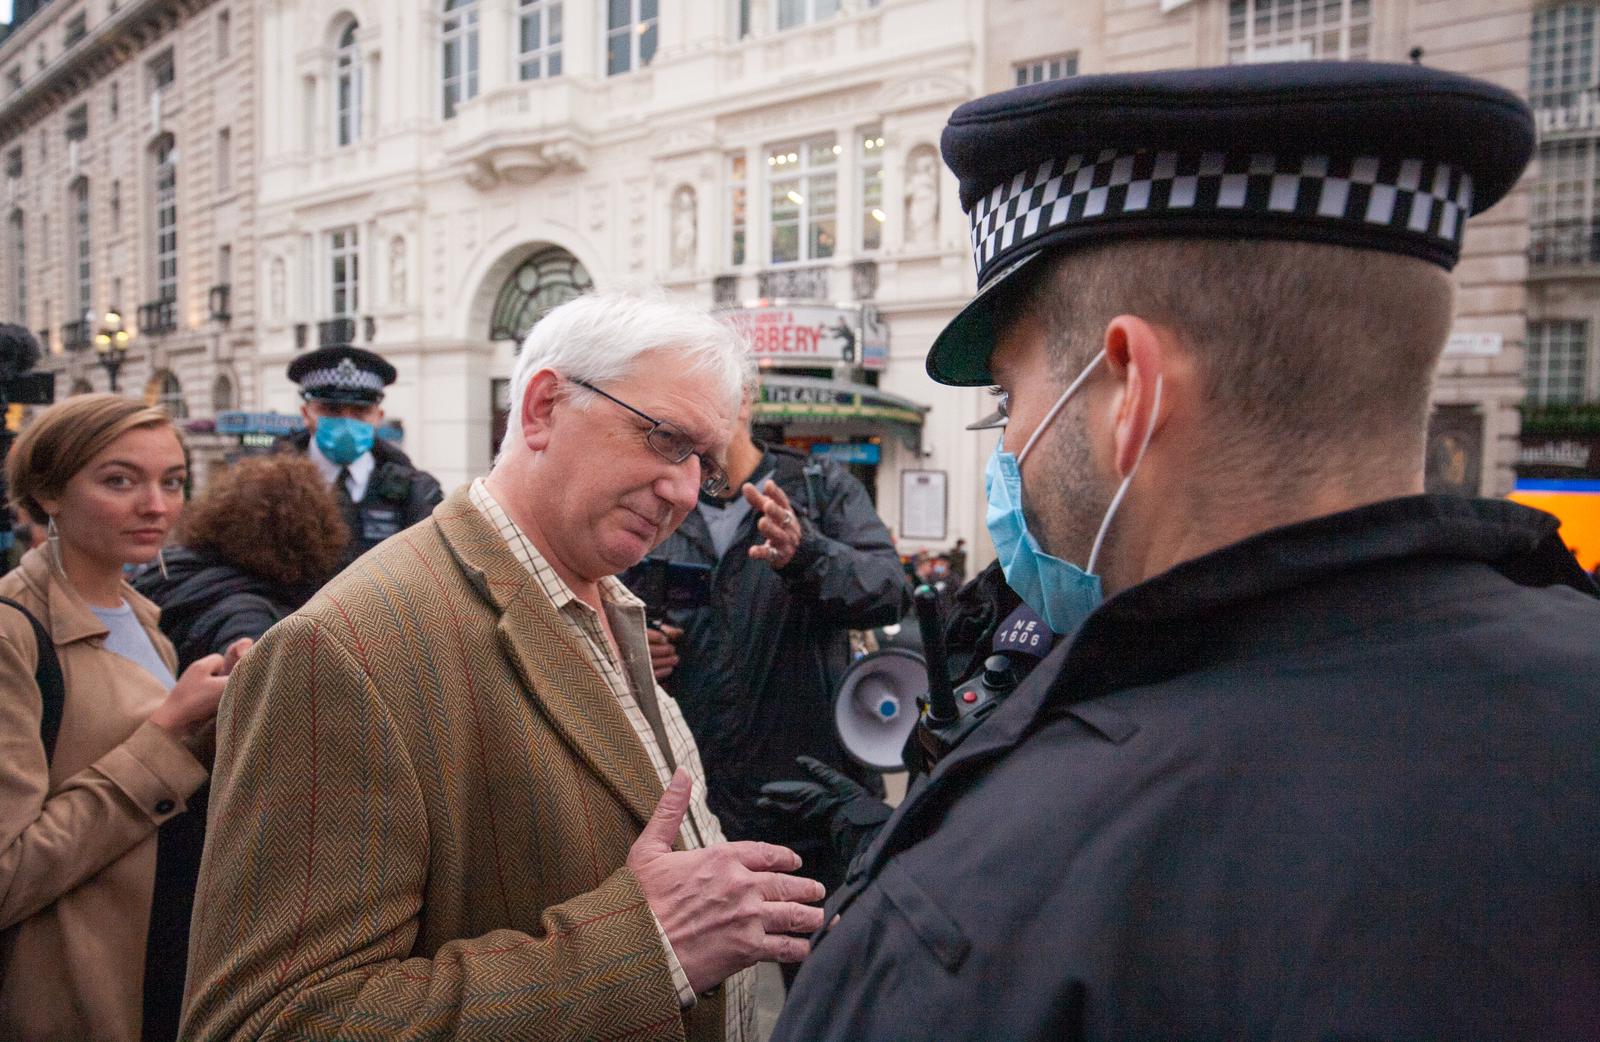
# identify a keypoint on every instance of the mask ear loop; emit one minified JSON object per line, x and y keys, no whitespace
{"x":1116,"y":501}
{"x":1060,"y":404}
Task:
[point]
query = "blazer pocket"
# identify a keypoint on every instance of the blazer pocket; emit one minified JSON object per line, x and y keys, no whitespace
{"x":939,"y":933}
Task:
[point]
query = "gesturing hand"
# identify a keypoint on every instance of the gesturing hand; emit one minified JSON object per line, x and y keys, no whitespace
{"x":725,"y":907}
{"x":663,"y":649}
{"x":778,"y":523}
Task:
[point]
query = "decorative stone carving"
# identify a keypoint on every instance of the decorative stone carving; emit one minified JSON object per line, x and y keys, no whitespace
{"x":922,"y":197}
{"x":685,"y":231}
{"x":397,"y":270}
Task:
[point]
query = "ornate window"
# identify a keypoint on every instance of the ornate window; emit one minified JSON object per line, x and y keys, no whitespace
{"x":801,"y":12}
{"x":347,"y":88}
{"x":1291,"y":30}
{"x":1563,"y":62}
{"x":17,"y":248}
{"x":631,"y":34}
{"x":738,"y":209}
{"x":165,"y":392}
{"x":344,"y":272}
{"x":82,"y":284}
{"x":1564,"y":69}
{"x":803,"y":195}
{"x":165,"y":155}
{"x":539,"y":23}
{"x":545,"y":280}
{"x":458,"y":38}
{"x":223,"y":397}
{"x":1556,"y":368}
{"x":870,"y":190}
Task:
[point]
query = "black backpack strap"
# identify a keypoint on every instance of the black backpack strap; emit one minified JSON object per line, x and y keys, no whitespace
{"x":47,"y":674}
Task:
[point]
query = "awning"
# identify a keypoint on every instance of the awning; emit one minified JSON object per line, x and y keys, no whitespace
{"x":838,"y":406}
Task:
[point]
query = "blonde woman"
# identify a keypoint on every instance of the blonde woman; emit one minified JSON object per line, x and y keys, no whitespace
{"x":80,"y":886}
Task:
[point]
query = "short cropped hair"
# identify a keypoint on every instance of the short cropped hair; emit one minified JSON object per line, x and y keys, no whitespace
{"x":1307,"y":351}
{"x":600,"y":337}
{"x":272,"y":516}
{"x":62,"y":440}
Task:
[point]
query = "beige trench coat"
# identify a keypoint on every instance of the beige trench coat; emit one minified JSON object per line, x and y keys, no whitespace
{"x":78,"y":840}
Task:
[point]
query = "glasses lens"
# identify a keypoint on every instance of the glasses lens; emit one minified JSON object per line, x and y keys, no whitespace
{"x":670,"y":443}
{"x":713,"y":479}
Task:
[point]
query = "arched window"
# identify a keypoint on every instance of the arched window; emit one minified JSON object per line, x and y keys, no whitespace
{"x":82,"y":283}
{"x":545,"y":280}
{"x":165,"y":157}
{"x":347,"y":88}
{"x":17,"y":249}
{"x":164,"y":391}
{"x":458,"y":69}
{"x":222,"y":395}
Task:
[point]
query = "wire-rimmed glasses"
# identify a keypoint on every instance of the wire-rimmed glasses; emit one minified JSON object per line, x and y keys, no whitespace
{"x":672,"y":443}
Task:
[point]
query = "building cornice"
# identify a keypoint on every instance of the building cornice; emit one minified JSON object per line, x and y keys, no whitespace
{"x":109,"y":45}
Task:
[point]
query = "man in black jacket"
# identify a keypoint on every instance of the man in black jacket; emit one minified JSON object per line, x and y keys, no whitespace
{"x":800,"y":558}
{"x":1323,"y":763}
{"x":380,"y":492}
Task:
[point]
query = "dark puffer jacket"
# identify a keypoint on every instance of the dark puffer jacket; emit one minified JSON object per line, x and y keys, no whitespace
{"x":207,"y":603}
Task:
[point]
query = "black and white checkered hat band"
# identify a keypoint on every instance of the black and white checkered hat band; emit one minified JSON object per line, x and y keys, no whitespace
{"x":346,"y":376}
{"x":1421,"y":201}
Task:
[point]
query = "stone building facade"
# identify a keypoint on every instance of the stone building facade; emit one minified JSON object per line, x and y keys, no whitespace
{"x":127,"y":135}
{"x":427,"y":177}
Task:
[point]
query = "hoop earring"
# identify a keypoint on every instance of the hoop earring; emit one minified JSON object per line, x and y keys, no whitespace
{"x":52,"y":535}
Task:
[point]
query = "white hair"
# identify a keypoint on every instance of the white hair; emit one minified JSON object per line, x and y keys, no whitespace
{"x":599,"y":337}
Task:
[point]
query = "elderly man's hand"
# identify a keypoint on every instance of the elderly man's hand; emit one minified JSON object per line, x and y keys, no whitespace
{"x":725,"y":907}
{"x":777,"y":522}
{"x":663,"y":650}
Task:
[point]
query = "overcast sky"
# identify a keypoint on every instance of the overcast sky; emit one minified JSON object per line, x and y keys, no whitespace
{"x":5,"y":10}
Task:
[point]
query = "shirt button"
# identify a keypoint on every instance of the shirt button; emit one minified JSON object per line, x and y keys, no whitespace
{"x":165,"y":807}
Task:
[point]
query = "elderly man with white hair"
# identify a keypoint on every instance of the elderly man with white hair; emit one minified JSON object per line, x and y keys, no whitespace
{"x":449,"y":799}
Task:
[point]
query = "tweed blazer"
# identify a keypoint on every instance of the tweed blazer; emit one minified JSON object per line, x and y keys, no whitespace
{"x":422,"y":804}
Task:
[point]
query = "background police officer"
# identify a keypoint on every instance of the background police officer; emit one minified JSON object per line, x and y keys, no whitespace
{"x":380,"y":492}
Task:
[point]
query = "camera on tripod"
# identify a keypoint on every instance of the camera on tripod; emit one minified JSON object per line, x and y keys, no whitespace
{"x":19,"y":385}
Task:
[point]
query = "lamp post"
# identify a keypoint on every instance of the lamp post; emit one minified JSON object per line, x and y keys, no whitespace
{"x":111,"y":343}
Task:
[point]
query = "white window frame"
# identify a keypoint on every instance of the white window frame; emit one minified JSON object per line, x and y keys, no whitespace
{"x":165,"y":183}
{"x":347,"y":86}
{"x":543,"y":59}
{"x":799,"y":181}
{"x":458,"y":40}
{"x":224,"y":160}
{"x":1565,"y":202}
{"x":82,"y":250}
{"x":869,"y":187}
{"x":640,"y":34}
{"x":738,"y":200}
{"x":1050,"y":67}
{"x":1556,"y":367}
{"x":1563,"y":59}
{"x":344,"y":272}
{"x":791,"y":14}
{"x":1284,"y":30}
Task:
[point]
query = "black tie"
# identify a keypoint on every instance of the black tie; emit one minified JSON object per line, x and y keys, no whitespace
{"x":341,"y":486}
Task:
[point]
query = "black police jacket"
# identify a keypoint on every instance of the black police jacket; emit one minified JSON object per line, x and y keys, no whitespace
{"x":1338,"y":781}
{"x":398,"y":496}
{"x":759,"y":665}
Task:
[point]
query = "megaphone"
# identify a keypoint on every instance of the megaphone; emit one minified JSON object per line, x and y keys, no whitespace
{"x":876,"y":706}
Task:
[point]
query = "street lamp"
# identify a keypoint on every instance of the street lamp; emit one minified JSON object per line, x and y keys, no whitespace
{"x":111,"y":343}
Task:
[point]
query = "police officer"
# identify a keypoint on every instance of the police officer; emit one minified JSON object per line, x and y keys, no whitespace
{"x":1316,"y":758}
{"x":379,"y":490}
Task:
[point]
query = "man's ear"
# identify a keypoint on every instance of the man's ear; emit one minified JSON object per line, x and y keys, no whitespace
{"x":307,"y":415}
{"x":538,"y":409}
{"x":1141,"y":356}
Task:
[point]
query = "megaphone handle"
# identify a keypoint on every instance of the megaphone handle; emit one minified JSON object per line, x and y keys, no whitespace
{"x":941,"y":697}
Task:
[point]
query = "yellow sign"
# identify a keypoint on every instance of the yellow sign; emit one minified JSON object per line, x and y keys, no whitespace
{"x":1580,"y":519}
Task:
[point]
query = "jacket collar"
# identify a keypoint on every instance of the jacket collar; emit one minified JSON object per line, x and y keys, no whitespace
{"x":70,"y":618}
{"x":547,"y":654}
{"x":1228,"y":600}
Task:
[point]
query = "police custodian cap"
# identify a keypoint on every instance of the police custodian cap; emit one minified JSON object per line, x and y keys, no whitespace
{"x":1372,"y":156}
{"x":342,"y":374}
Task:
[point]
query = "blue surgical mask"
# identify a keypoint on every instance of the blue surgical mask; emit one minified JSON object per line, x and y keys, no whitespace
{"x":1058,"y":590}
{"x":344,"y":440}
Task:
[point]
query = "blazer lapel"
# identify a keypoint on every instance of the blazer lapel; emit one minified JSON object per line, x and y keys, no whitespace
{"x":547,"y":655}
